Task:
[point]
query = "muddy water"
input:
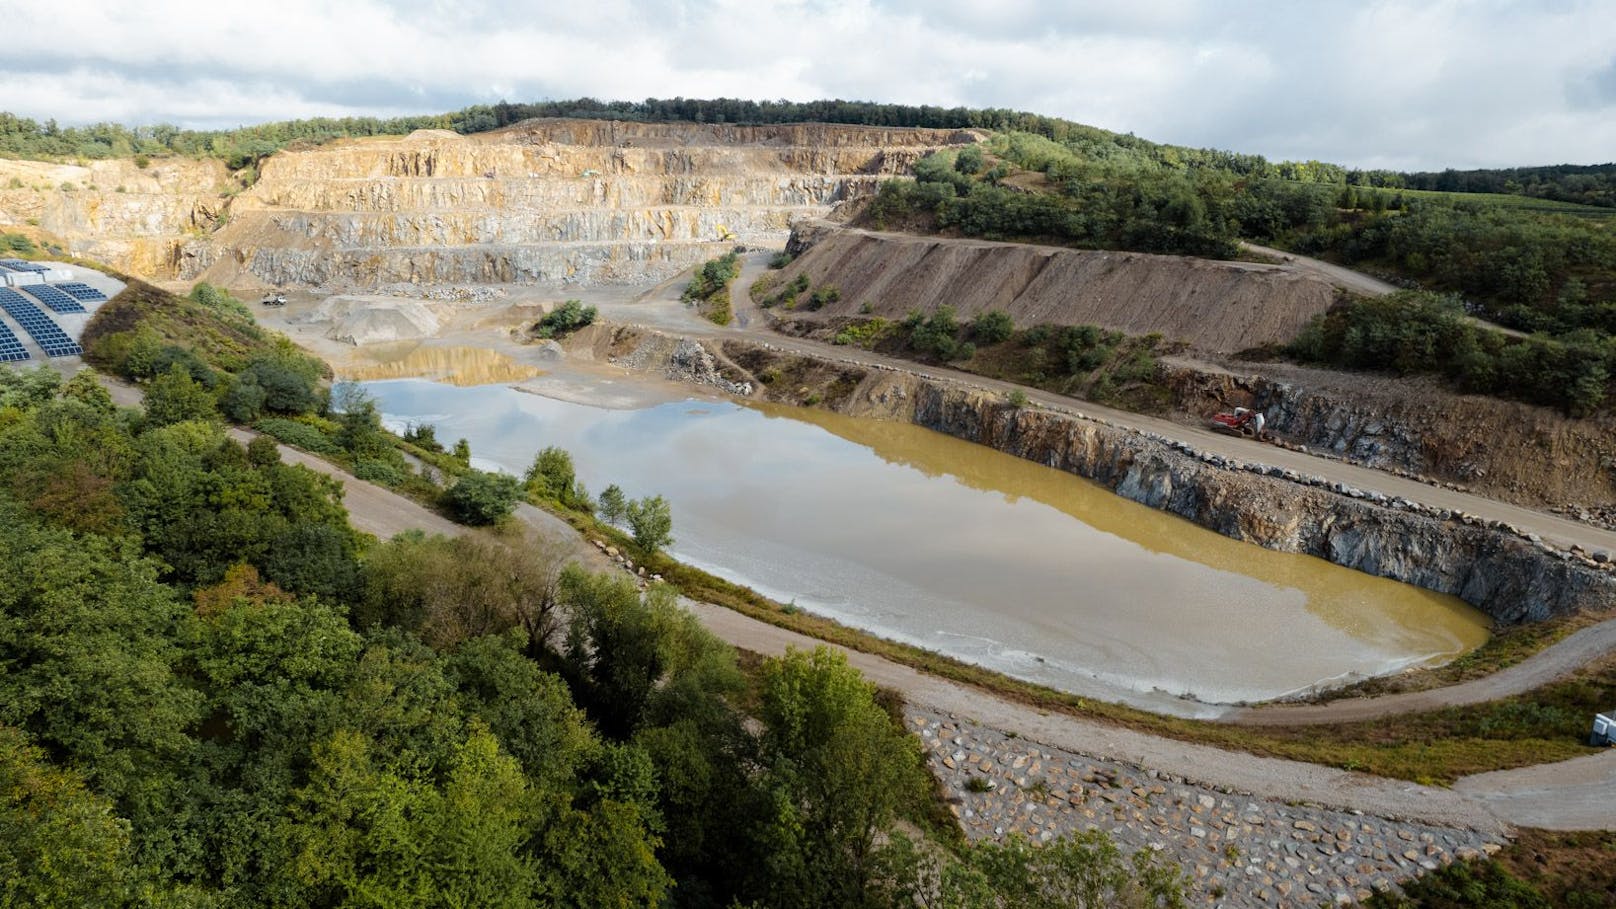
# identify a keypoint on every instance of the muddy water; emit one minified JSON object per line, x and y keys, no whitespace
{"x":967,"y":551}
{"x":457,"y":365}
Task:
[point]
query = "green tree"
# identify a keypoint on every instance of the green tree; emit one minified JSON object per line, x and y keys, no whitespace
{"x":564,"y":320}
{"x":838,"y":771}
{"x":551,"y":476}
{"x":376,"y":836}
{"x":650,"y":520}
{"x":175,"y":397}
{"x":64,"y":846}
{"x":613,"y":504}
{"x":992,"y":326}
{"x":479,"y":497}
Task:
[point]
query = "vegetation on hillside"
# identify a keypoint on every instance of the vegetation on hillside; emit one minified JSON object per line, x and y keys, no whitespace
{"x":709,"y":287}
{"x":1417,"y":332}
{"x":253,"y":704}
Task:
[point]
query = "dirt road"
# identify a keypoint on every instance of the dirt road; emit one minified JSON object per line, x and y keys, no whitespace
{"x":1551,"y":663}
{"x":1488,"y":802}
{"x":1355,"y":281}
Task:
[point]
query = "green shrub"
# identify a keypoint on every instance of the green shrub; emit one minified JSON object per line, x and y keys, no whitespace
{"x":380,"y":472}
{"x":481,"y":498}
{"x":564,"y":320}
{"x":298,"y":435}
{"x":992,"y":326}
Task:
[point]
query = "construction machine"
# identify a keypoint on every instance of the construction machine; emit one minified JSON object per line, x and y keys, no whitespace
{"x":1241,"y":421}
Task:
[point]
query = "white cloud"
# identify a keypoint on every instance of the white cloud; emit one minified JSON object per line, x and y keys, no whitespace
{"x":1391,"y":83}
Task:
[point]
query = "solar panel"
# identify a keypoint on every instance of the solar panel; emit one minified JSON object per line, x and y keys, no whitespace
{"x":23,"y":265}
{"x":55,"y":299}
{"x":83,"y":291}
{"x":11,"y":349}
{"x":55,"y":342}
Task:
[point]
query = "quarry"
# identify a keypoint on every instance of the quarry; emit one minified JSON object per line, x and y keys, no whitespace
{"x":1103,"y":553}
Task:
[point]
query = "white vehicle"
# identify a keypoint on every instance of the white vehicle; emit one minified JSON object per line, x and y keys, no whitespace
{"x":1604,"y":729}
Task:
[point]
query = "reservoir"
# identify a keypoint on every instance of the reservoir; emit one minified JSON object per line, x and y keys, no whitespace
{"x":955,"y":547}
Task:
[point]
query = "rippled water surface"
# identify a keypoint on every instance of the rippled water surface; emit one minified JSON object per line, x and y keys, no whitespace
{"x":967,"y":551}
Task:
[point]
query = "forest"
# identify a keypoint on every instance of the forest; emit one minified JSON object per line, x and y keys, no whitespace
{"x":217,"y":693}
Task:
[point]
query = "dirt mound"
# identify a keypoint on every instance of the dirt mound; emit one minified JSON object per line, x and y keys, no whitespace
{"x":1214,"y":306}
{"x":372,"y":320}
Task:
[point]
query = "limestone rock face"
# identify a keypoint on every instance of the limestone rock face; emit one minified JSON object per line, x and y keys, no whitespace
{"x":546,"y":201}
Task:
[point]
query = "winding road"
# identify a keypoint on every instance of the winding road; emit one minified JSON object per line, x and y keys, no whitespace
{"x":1573,"y":795}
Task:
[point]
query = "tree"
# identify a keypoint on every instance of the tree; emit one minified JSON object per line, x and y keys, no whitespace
{"x":64,"y":846}
{"x":613,"y":504}
{"x":838,"y":769}
{"x":651,"y":521}
{"x":992,"y":326}
{"x":551,"y":476}
{"x":481,"y":498}
{"x":462,"y":452}
{"x":175,"y":397}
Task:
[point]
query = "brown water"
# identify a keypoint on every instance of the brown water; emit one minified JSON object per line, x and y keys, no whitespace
{"x":968,"y":551}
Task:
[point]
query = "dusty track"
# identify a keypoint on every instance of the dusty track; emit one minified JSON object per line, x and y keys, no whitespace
{"x":1571,"y":795}
{"x":1482,"y":803}
{"x":1550,"y":664}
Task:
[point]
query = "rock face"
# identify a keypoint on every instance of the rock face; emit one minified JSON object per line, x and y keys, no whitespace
{"x":546,"y":201}
{"x":134,"y":218}
{"x":1510,"y":578}
{"x":543,"y":201}
{"x":1516,"y":452}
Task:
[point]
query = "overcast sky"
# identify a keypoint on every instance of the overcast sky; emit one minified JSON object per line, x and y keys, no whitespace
{"x":1372,"y":84}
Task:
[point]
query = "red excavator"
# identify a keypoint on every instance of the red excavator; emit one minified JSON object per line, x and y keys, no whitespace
{"x":1241,"y":421}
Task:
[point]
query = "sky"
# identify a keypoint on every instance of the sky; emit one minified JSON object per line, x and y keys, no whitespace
{"x":1404,"y":84}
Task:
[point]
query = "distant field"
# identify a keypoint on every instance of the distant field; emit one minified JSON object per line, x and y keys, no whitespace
{"x":1507,"y":200}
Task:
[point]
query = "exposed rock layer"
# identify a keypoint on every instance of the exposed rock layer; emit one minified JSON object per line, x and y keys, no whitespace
{"x":544,"y":201}
{"x":1505,"y":575}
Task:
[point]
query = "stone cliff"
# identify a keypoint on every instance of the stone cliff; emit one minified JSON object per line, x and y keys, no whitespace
{"x":553,"y":201}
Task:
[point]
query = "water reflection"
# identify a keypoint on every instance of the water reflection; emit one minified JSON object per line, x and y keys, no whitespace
{"x":968,"y":551}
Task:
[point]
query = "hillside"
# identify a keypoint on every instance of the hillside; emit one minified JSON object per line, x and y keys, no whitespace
{"x":1214,"y":306}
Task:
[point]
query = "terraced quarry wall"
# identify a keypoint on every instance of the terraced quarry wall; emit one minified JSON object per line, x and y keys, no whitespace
{"x":1215,"y":306}
{"x":544,"y":201}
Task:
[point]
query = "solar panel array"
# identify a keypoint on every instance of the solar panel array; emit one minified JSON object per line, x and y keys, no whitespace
{"x":23,"y":265}
{"x":83,"y":291}
{"x":55,"y":299}
{"x":11,"y":349}
{"x":55,"y":341}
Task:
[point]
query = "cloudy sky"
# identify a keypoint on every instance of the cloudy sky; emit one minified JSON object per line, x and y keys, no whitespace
{"x":1403,"y":84}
